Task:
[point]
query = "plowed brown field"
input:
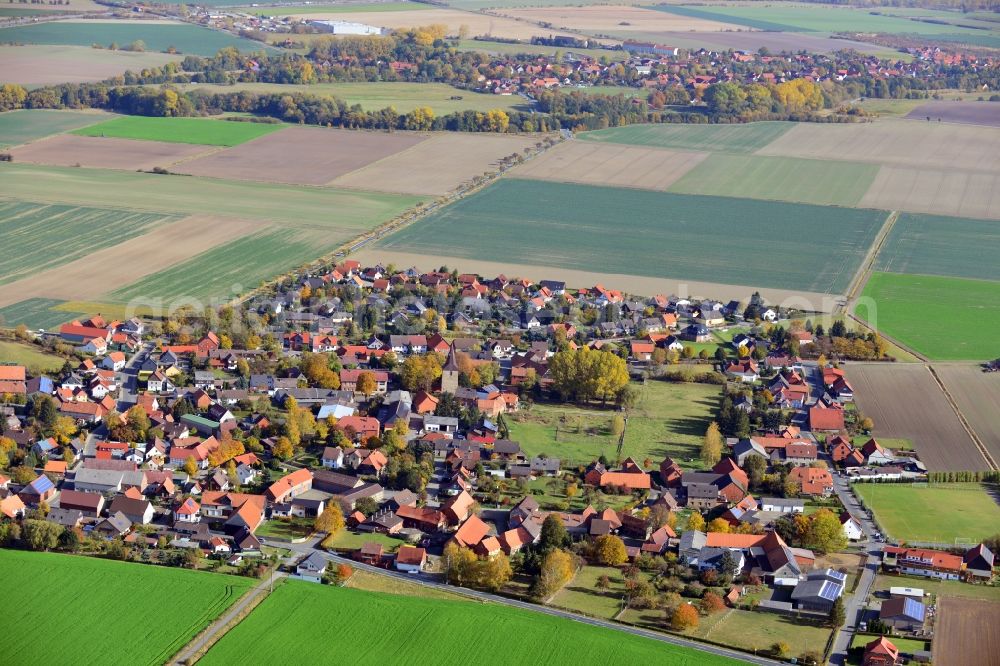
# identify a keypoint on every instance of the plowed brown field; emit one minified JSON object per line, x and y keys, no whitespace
{"x":106,"y":152}
{"x":978,"y":396}
{"x":966,"y":632}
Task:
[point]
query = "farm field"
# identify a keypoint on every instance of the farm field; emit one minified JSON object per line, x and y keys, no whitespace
{"x":825,"y":183}
{"x":602,"y":20}
{"x":971,"y":113}
{"x":34,"y":65}
{"x":935,"y":513}
{"x":904,"y":401}
{"x":17,"y":127}
{"x":476,"y":5}
{"x":287,"y":618}
{"x":36,"y":313}
{"x":966,"y":632}
{"x":104,"y":153}
{"x":333,"y":9}
{"x":157,"y":36}
{"x":29,"y":356}
{"x":611,"y":164}
{"x":436,"y":165}
{"x":37,"y":236}
{"x":89,"y":590}
{"x":937,"y":191}
{"x":978,"y":396}
{"x":948,"y":246}
{"x":301,"y":155}
{"x":669,"y":419}
{"x":893,"y":142}
{"x":573,"y":225}
{"x":203,"y":131}
{"x":899,"y":309}
{"x":67,"y":6}
{"x":749,"y":40}
{"x":373,"y":96}
{"x":504,"y":48}
{"x":744,"y":138}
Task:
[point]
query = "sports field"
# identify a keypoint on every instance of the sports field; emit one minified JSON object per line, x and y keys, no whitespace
{"x":17,"y":127}
{"x":663,"y":235}
{"x":938,"y":513}
{"x":936,"y":245}
{"x":410,"y":630}
{"x":157,"y":36}
{"x":946,"y":319}
{"x":825,"y":183}
{"x":744,"y":138}
{"x":109,"y":612}
{"x":205,"y":131}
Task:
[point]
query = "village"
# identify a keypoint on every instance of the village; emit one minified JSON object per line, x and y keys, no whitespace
{"x":365,"y":417}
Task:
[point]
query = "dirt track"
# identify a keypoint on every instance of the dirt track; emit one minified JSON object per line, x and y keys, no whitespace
{"x":966,"y":632}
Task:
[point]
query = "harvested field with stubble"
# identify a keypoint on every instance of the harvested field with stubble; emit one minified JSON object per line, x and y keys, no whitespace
{"x":603,"y":20}
{"x":966,"y":632}
{"x":105,"y":153}
{"x":893,"y":142}
{"x":969,"y":113}
{"x":301,"y":155}
{"x":436,"y":166}
{"x":945,"y":192}
{"x":33,"y":65}
{"x":905,"y":401}
{"x":620,"y":165}
{"x":978,"y":396}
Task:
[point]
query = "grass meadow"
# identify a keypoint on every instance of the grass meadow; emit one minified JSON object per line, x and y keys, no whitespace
{"x":205,"y":131}
{"x":932,"y":513}
{"x":17,"y":127}
{"x":29,"y":356}
{"x":662,"y":235}
{"x":946,"y":319}
{"x":743,"y":138}
{"x":938,"y":245}
{"x":410,"y":630}
{"x":108,"y":612}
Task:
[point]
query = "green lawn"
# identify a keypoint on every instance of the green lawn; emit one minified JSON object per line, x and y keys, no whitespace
{"x":887,"y":442}
{"x":184,"y":37}
{"x":29,"y":356}
{"x":906,"y":307}
{"x":17,"y":127}
{"x":582,"y":594}
{"x":937,"y":513}
{"x":37,"y":236}
{"x":948,"y":588}
{"x":669,"y":419}
{"x":36,"y":313}
{"x":821,"y":182}
{"x":737,"y":138}
{"x":938,"y":245}
{"x":99,"y":602}
{"x":653,"y":234}
{"x":348,"y":540}
{"x":205,"y":131}
{"x":410,"y":630}
{"x":907,"y":645}
{"x":296,"y":528}
{"x":363,"y":580}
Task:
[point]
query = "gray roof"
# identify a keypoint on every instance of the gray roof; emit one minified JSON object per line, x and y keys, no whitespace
{"x":315,"y":562}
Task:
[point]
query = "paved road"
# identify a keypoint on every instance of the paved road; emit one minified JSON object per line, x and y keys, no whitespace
{"x":218,"y":629}
{"x":310,"y":546}
{"x":128,"y":378}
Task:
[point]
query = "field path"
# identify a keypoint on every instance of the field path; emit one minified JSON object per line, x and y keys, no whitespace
{"x":868,"y":265}
{"x":193,"y":651}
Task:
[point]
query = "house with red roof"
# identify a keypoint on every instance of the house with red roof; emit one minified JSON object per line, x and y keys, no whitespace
{"x":812,"y":480}
{"x":881,"y":652}
{"x":826,"y":418}
{"x":290,"y":486}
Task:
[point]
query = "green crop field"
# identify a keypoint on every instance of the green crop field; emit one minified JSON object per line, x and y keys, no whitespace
{"x":932,"y":513}
{"x":937,"y":245}
{"x":668,"y":419}
{"x":205,"y":131}
{"x":29,"y":356}
{"x":38,"y":236}
{"x":302,"y":616}
{"x":744,"y":138}
{"x":947,"y":319}
{"x":343,"y":212}
{"x":661,"y":235}
{"x":17,"y":127}
{"x":109,"y":612}
{"x":821,"y":182}
{"x":184,"y":37}
{"x":36,"y":313}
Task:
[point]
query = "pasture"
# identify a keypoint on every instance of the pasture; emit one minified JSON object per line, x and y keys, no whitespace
{"x":301,"y":155}
{"x":568,"y":225}
{"x":948,"y":246}
{"x":900,"y":306}
{"x":202,"y":131}
{"x":36,"y":65}
{"x":905,"y":402}
{"x":157,"y":36}
{"x":33,"y":358}
{"x":669,"y":419}
{"x":965,"y":631}
{"x":955,"y":192}
{"x":977,"y":394}
{"x":619,"y":165}
{"x":105,"y":153}
{"x":17,"y":127}
{"x":287,"y":617}
{"x":744,"y":138}
{"x":824,"y":183}
{"x":92,"y":591}
{"x":932,"y":513}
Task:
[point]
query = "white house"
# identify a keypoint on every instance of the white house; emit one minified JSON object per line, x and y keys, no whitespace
{"x":188,"y":512}
{"x":94,"y":346}
{"x":114,"y":361}
{"x":410,"y":559}
{"x":333,"y":457}
{"x":312,"y":568}
{"x":782,"y":505}
{"x":852,"y":528}
{"x":246,"y":474}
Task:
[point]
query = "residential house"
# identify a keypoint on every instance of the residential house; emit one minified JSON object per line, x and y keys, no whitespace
{"x":631,"y":476}
{"x":903,"y":614}
{"x":410,"y":559}
{"x":312,"y":568}
{"x":90,"y":504}
{"x":39,"y":490}
{"x":852,"y":528}
{"x":922,"y":562}
{"x":189,"y":511}
{"x":290,"y":486}
{"x":138,"y":511}
{"x":115,"y":525}
{"x":881,"y":652}
{"x":812,"y":480}
{"x":333,"y":457}
{"x":979,"y":564}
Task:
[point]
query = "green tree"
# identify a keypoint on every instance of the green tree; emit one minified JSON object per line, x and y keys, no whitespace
{"x":553,"y":535}
{"x":837,"y":613}
{"x":40,"y":534}
{"x":826,"y":534}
